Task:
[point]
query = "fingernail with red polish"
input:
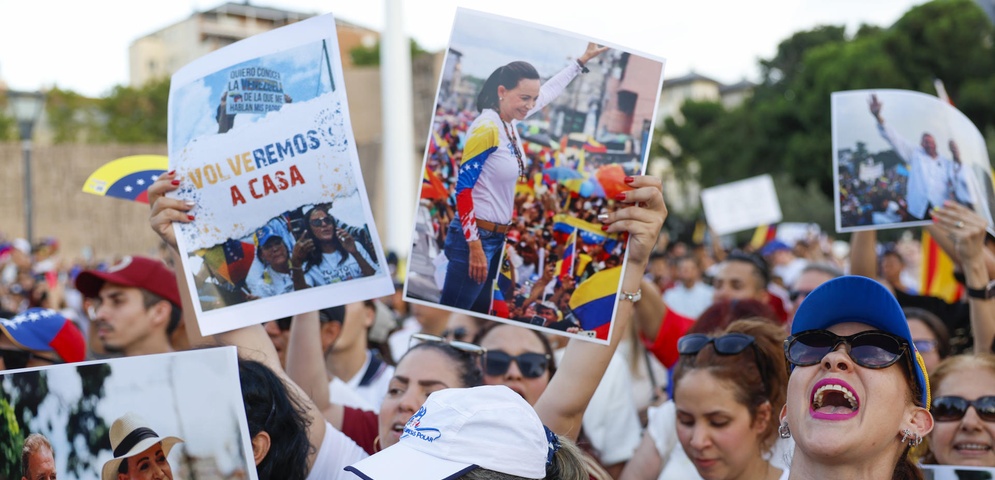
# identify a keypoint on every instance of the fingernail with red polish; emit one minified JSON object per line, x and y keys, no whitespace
{"x":629,"y":179}
{"x":171,"y":172}
{"x":190,"y":217}
{"x":175,"y":182}
{"x":604,"y":228}
{"x":620,"y":196}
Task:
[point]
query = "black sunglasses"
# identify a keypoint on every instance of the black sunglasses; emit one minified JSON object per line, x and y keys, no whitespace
{"x":13,"y":359}
{"x":532,"y":365}
{"x":458,"y":333}
{"x":317,"y":222}
{"x":870,"y":349}
{"x":728,"y":344}
{"x":952,"y":409}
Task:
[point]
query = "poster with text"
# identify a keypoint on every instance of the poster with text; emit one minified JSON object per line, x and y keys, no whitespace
{"x":534,"y":131}
{"x":259,"y":133}
{"x":897,"y":154}
{"x":741,"y":205}
{"x":95,"y":415}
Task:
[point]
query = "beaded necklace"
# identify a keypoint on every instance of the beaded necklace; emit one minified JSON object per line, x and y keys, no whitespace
{"x":514,"y":146}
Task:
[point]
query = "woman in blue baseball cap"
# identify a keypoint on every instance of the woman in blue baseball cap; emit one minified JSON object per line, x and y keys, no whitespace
{"x":858,"y":392}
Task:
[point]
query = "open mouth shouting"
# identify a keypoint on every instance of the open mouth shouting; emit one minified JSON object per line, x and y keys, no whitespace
{"x":833,"y":399}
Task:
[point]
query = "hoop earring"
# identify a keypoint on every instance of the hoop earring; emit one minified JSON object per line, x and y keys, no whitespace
{"x":783,"y":430}
{"x":376,"y":444}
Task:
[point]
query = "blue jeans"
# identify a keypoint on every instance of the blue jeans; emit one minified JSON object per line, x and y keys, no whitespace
{"x":460,"y":290}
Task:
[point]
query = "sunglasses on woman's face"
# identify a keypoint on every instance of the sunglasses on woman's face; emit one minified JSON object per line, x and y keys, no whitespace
{"x":317,"y":222}
{"x":728,"y":344}
{"x":871,"y":349}
{"x":13,"y":359}
{"x":952,"y":409}
{"x":532,"y":365}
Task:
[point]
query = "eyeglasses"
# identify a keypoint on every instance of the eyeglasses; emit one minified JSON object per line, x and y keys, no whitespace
{"x":317,"y":222}
{"x":458,"y":333}
{"x":870,"y":349}
{"x":952,"y":409}
{"x":13,"y":359}
{"x":925,"y":346}
{"x":728,"y":344}
{"x":531,"y":364}
{"x":418,"y":338}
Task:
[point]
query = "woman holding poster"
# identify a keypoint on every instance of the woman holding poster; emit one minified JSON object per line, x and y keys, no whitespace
{"x":333,"y":252}
{"x":493,"y":162}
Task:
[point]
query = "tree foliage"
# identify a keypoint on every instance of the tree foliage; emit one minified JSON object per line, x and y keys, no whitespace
{"x":369,"y":56}
{"x":785,"y":127}
{"x":137,"y":115}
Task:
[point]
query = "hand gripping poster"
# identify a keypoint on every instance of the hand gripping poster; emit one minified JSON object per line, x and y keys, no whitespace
{"x":260,"y":137}
{"x":533,"y":133}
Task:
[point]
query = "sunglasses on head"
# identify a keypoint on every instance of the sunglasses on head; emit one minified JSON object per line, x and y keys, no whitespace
{"x":317,"y":222}
{"x":466,"y":347}
{"x":458,"y":333}
{"x":532,"y":365}
{"x":952,"y":409}
{"x":728,"y":344}
{"x":870,"y":349}
{"x":13,"y":359}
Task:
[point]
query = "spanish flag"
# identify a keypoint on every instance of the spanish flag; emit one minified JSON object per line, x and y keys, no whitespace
{"x":938,"y":272}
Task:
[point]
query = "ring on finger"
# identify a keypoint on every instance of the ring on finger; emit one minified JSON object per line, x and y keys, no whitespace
{"x":959,"y":224}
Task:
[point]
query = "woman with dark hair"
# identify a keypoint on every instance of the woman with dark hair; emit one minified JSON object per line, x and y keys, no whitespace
{"x":493,"y":162}
{"x":930,"y":336}
{"x":277,"y":420}
{"x":858,"y":395}
{"x":331,"y":251}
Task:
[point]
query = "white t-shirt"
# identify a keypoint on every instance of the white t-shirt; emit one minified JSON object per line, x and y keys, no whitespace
{"x":689,"y":302}
{"x":342,"y":394}
{"x":330,"y":271}
{"x":336,"y":452}
{"x":374,"y":392}
{"x":263,"y":281}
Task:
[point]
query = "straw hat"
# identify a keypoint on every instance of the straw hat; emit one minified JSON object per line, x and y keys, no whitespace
{"x":131,"y":435}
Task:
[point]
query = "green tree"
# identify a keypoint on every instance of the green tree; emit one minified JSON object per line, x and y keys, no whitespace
{"x":73,"y":117}
{"x":369,"y":56}
{"x":11,"y":441}
{"x":137,"y":115}
{"x":85,"y":423}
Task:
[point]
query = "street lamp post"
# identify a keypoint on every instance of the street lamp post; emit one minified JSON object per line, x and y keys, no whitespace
{"x":26,"y":108}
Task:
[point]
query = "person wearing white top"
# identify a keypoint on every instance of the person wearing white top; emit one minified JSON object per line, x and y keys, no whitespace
{"x":689,"y":296}
{"x":493,"y":162}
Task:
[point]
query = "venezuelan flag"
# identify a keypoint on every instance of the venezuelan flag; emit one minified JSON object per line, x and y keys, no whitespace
{"x":588,"y":232}
{"x":566,"y":267}
{"x":483,"y":140}
{"x":127,"y":178}
{"x":432,"y":187}
{"x":594,"y":300}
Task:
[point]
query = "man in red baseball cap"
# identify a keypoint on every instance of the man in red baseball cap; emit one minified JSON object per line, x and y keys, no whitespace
{"x":39,"y":337}
{"x":137,"y":305}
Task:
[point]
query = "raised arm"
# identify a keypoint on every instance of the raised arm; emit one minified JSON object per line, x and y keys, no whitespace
{"x":562,"y":405}
{"x":252,"y":341}
{"x":306,"y":365}
{"x":966,"y":231}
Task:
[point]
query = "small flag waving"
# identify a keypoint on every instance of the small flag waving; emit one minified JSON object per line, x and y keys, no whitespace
{"x":127,"y":178}
{"x":569,"y":257}
{"x":594,"y":300}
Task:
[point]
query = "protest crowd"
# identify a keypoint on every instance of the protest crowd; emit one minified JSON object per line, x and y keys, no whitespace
{"x":617,"y":403}
{"x":785,"y":357}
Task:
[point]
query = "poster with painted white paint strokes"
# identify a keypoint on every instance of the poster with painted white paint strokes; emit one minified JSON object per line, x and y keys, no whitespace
{"x":260,"y":138}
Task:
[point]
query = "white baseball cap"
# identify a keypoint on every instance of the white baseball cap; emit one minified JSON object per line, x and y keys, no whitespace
{"x":458,"y":430}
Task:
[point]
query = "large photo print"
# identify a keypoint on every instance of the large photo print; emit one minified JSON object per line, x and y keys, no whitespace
{"x":260,"y":134}
{"x":898,"y":154}
{"x":534,"y":132}
{"x":175,"y":416}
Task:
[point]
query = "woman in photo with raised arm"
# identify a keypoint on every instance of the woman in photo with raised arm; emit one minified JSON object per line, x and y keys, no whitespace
{"x":493,"y":162}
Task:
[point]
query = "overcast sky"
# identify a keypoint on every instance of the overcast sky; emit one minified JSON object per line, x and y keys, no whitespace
{"x":83,"y":46}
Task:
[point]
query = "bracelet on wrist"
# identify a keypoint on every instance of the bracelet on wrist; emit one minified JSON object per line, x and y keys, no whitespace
{"x":632,"y":296}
